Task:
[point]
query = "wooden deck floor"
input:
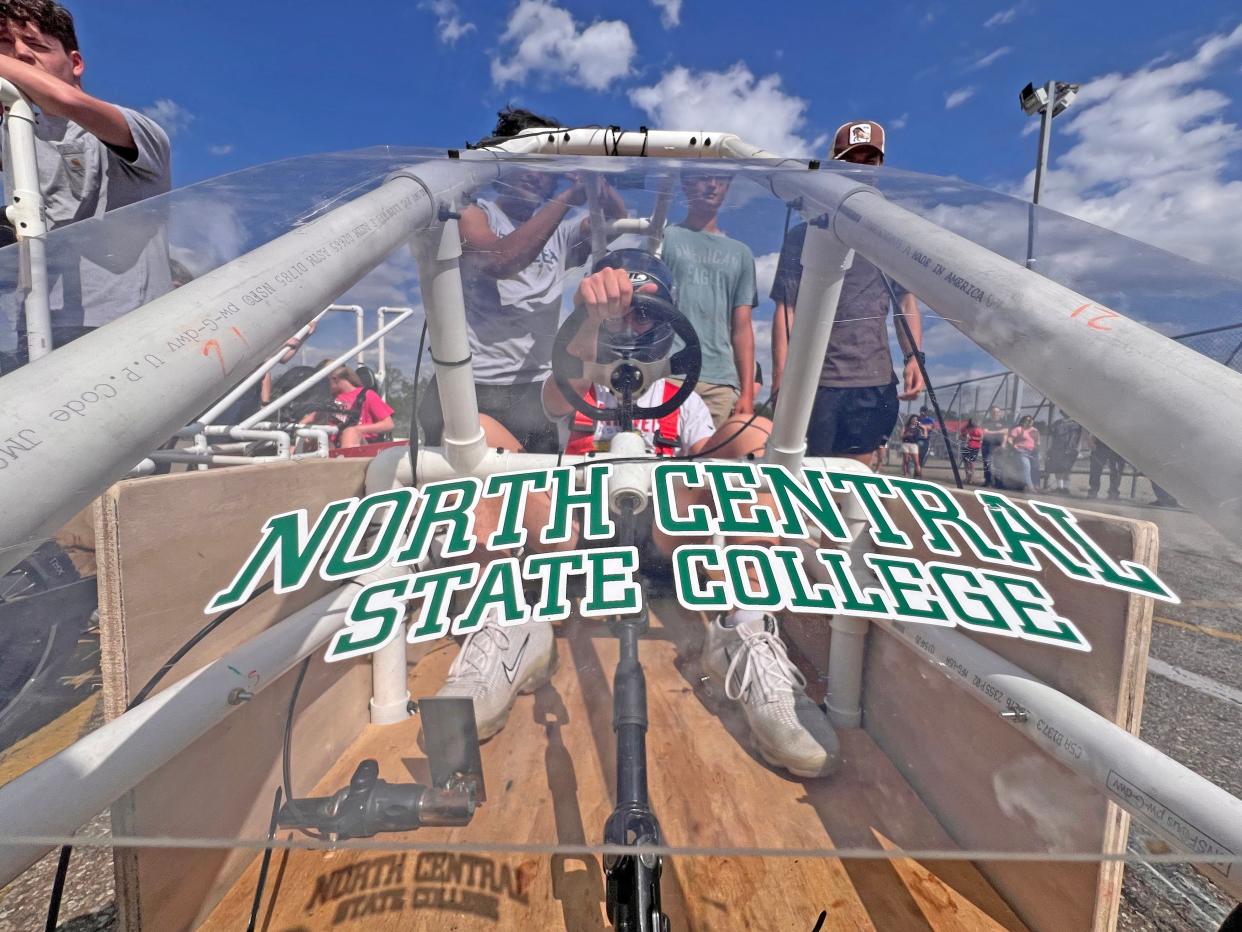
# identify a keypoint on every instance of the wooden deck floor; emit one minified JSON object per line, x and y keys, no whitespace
{"x":549,"y":776}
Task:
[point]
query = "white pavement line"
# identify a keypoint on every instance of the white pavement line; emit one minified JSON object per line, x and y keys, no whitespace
{"x":1202,"y":684}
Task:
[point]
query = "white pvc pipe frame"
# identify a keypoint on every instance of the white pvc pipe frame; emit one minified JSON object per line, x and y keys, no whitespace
{"x":26,"y":214}
{"x":1027,"y":322}
{"x":133,"y":391}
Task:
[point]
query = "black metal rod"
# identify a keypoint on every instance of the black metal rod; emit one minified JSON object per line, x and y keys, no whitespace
{"x":900,"y":317}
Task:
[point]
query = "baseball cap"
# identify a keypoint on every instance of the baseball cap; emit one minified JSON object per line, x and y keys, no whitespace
{"x":854,"y":135}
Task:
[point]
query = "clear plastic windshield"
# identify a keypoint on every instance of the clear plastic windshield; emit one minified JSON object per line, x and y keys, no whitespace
{"x":963,"y":634}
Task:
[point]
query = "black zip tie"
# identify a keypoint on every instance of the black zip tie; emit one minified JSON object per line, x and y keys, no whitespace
{"x":451,"y":365}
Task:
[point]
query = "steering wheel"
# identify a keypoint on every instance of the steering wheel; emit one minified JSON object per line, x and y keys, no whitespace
{"x":629,"y":377}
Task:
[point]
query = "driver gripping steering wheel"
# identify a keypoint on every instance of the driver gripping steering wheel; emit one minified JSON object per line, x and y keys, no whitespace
{"x":613,"y":357}
{"x":615,"y":352}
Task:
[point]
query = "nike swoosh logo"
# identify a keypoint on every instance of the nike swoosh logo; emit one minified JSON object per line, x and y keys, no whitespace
{"x":511,"y":671}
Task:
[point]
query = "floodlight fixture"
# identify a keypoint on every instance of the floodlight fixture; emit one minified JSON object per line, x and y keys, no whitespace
{"x":1049,"y":101}
{"x":1035,"y":99}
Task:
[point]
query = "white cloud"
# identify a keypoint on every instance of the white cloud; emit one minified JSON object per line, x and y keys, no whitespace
{"x":989,"y":58}
{"x":170,"y":115}
{"x":900,"y":122}
{"x":226,"y":149}
{"x":1031,"y":127}
{"x":765,"y":272}
{"x":1154,"y":157}
{"x":733,"y":101}
{"x":449,"y":24}
{"x":670,"y":12}
{"x":543,"y":39}
{"x":958,"y":97}
{"x":1002,"y":17}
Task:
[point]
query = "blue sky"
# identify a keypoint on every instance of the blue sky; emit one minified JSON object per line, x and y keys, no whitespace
{"x":271,"y":79}
{"x":1151,"y":148}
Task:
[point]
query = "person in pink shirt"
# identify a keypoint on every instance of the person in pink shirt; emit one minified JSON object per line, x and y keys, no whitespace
{"x":1025,"y":440}
{"x":971,"y":437}
{"x":366,"y":415}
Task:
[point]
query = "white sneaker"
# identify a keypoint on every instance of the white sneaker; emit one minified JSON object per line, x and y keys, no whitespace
{"x":790,"y":730}
{"x":495,"y":665}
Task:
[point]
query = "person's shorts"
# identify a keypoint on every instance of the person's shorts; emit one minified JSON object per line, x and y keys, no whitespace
{"x":910,"y":449}
{"x":851,"y":421}
{"x":720,"y":399}
{"x":969,"y":455}
{"x":518,"y":407}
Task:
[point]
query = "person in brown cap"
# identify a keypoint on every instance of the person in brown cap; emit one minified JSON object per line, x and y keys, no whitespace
{"x":861,"y":143}
{"x":857,"y":400}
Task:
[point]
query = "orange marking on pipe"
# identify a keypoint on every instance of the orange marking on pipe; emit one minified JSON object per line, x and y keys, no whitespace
{"x":241,"y":336}
{"x":215,"y":344}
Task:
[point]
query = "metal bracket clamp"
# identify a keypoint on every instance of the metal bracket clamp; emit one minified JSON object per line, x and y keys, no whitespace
{"x":26,"y":214}
{"x":26,"y":211}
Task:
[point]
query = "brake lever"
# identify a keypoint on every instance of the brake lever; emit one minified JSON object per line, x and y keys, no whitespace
{"x":370,"y":805}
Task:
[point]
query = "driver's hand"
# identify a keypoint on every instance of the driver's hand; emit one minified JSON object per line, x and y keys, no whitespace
{"x":606,"y":294}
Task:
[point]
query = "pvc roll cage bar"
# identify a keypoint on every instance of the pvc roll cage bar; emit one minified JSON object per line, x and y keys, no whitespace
{"x":1027,"y":322}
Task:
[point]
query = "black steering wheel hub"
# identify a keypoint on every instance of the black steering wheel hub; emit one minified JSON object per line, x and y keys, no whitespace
{"x":628,"y":376}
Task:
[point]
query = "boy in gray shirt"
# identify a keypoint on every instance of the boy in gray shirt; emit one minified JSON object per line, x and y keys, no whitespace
{"x":93,"y":157}
{"x":857,"y":400}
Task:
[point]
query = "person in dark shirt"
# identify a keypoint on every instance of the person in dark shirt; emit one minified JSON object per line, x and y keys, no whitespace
{"x":1065,"y":436}
{"x":856,"y":404}
{"x":1103,"y":456}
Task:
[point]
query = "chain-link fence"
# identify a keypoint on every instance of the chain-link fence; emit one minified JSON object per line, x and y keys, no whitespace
{"x":973,"y":398}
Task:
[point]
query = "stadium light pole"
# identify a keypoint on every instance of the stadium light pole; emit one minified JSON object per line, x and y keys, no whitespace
{"x":1048,"y":101}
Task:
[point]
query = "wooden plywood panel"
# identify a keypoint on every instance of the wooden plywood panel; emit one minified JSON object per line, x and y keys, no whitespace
{"x":166,"y":545}
{"x":550,"y":778}
{"x":972,"y":769}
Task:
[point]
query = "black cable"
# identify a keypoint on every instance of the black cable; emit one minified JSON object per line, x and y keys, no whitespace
{"x":267,"y":860}
{"x":66,"y":851}
{"x":418,"y":368}
{"x":723,"y":443}
{"x":286,"y":754}
{"x":58,"y":888}
{"x":900,"y":317}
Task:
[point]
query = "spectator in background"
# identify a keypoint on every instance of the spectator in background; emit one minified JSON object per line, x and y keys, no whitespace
{"x":856,"y":404}
{"x":364,"y":416}
{"x":994,"y":433}
{"x":971,"y":437}
{"x":1024,"y":438}
{"x":94,"y":156}
{"x":1103,"y":456}
{"x":715,"y":282}
{"x":928,"y":423}
{"x":516,"y":250}
{"x":911,"y":465}
{"x":1064,"y":438}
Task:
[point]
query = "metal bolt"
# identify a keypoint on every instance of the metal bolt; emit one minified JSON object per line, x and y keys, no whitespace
{"x":238,"y":695}
{"x":1015,"y":715}
{"x":705,"y":679}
